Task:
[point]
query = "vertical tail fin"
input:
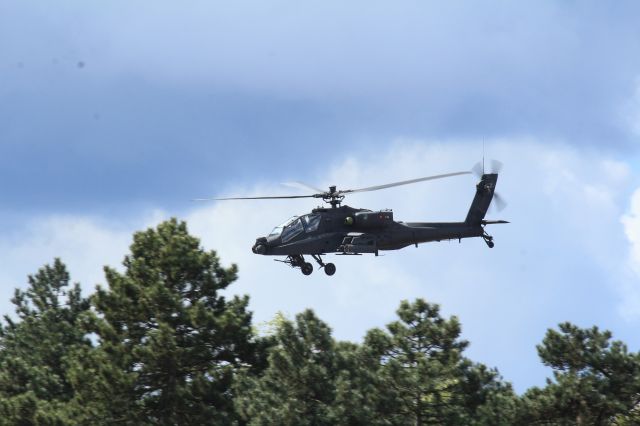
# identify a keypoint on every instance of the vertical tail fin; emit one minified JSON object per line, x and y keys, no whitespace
{"x":482,"y":199}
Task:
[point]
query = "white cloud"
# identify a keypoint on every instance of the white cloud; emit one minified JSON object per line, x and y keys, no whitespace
{"x":631,"y":222}
{"x":631,"y":288}
{"x":560,"y":258}
{"x":85,"y":244}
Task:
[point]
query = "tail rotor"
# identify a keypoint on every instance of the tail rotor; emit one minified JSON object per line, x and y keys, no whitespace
{"x":478,"y":169}
{"x":496,"y":166}
{"x":498,"y":203}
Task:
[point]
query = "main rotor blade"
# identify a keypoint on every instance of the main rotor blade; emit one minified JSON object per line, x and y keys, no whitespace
{"x":256,"y":198}
{"x":297,"y":184}
{"x":404,"y":182}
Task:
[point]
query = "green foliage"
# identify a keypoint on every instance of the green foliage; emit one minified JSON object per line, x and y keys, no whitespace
{"x":36,"y":348}
{"x":169,"y":341}
{"x":424,"y":377}
{"x":271,"y":327}
{"x":299,"y":386}
{"x":595,"y":380}
{"x":414,"y":374}
{"x":162,"y":345}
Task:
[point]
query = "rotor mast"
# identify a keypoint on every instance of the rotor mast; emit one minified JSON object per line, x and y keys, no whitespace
{"x":333,"y":197}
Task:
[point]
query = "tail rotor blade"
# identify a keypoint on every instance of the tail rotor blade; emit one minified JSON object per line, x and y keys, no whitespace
{"x":477,"y":169}
{"x":496,"y":166}
{"x":499,"y":202}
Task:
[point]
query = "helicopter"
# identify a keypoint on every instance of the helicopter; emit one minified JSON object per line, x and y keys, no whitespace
{"x":345,"y":230}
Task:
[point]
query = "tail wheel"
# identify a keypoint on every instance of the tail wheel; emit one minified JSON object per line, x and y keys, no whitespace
{"x":307,"y":268}
{"x":329,"y":269}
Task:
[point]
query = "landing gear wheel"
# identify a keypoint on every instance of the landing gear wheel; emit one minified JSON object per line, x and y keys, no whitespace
{"x":488,"y":239}
{"x":307,"y":268}
{"x":329,"y":269}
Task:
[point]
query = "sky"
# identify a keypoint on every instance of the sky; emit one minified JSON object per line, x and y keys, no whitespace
{"x":114,"y":116}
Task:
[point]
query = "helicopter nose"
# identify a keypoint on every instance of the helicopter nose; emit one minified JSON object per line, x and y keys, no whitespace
{"x":260,"y":247}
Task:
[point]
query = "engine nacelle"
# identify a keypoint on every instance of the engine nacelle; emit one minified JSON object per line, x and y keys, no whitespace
{"x":370,"y":220}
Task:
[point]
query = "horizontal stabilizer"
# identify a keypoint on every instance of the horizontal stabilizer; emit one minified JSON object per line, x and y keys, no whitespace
{"x":494,"y":222}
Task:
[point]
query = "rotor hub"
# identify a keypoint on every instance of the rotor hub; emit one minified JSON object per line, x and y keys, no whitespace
{"x":333,"y":197}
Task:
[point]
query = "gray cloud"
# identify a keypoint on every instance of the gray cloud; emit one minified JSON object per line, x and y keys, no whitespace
{"x":172,"y":95}
{"x":554,"y":69}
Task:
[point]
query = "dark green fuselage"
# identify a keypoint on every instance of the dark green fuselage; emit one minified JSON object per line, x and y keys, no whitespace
{"x":353,"y":231}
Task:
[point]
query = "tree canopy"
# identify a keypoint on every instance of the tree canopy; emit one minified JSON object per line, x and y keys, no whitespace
{"x":169,"y":341}
{"x":163,"y":344}
{"x":36,"y":346}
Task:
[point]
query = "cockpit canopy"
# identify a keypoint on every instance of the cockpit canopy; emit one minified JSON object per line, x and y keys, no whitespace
{"x":295,"y":226}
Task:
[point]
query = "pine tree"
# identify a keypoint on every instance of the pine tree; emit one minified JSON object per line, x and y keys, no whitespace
{"x":36,"y":349}
{"x":169,"y":341}
{"x":595,"y":380}
{"x":414,"y":374}
{"x":296,"y":388}
{"x":310,"y":380}
{"x":424,"y":377}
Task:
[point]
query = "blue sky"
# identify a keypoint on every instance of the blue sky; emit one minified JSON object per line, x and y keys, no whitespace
{"x":113,"y":116}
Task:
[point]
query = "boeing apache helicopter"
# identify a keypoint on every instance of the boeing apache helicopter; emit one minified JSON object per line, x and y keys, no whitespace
{"x":350,"y":231}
